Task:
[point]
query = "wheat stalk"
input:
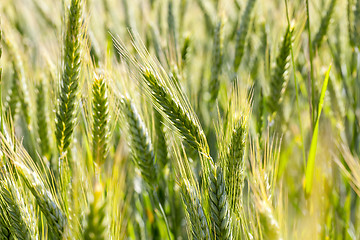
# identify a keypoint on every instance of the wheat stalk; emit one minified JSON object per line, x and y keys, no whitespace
{"x":95,"y":228}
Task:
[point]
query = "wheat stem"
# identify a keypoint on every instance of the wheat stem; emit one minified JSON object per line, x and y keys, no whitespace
{"x":95,"y":228}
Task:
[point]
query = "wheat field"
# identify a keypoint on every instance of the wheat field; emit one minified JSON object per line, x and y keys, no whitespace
{"x":179,"y":119}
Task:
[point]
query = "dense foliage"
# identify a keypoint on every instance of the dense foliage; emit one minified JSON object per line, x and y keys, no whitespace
{"x":179,"y":119}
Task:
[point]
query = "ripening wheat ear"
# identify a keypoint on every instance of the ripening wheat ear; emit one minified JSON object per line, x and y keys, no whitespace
{"x":241,"y":34}
{"x":324,"y":25}
{"x":101,"y":120}
{"x":141,"y":145}
{"x":69,"y":86}
{"x":95,"y":228}
{"x":219,"y":208}
{"x":279,"y":78}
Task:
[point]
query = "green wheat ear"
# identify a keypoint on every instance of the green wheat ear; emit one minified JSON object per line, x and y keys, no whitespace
{"x":172,"y":29}
{"x":279,"y":78}
{"x":269,"y":224}
{"x":196,"y":216}
{"x":95,"y":228}
{"x":160,"y":144}
{"x":19,"y":91}
{"x":101,"y":120}
{"x":324,"y":25}
{"x":42,"y":120}
{"x":14,"y":218}
{"x":217,"y":56}
{"x":185,"y":51}
{"x":235,"y":164}
{"x":4,"y":230}
{"x":12,"y":99}
{"x":219,"y":208}
{"x":177,"y":115}
{"x":56,"y":220}
{"x":66,"y":110}
{"x":141,"y":145}
{"x":241,"y":34}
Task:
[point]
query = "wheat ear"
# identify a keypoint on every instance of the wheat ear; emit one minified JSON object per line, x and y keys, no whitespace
{"x":241,"y":34}
{"x":13,"y":214}
{"x":196,"y":216}
{"x":185,"y":49}
{"x":235,"y":163}
{"x":269,"y":224}
{"x":55,"y":218}
{"x":5,"y":233}
{"x":324,"y":25}
{"x":177,"y":115}
{"x":141,"y":145}
{"x":12,"y":99}
{"x":42,"y":120}
{"x":217,"y":56}
{"x":279,"y":77}
{"x":160,"y":144}
{"x":66,"y":110}
{"x":219,"y":209}
{"x":101,"y":120}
